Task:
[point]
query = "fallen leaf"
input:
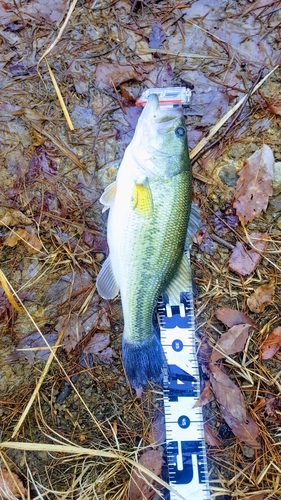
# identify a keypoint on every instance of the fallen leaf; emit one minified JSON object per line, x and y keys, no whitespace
{"x":254,"y":185}
{"x":99,"y":342}
{"x":271,"y":344}
{"x":11,"y":217}
{"x":261,"y":297}
{"x":233,"y":407}
{"x":231,"y":317}
{"x":157,"y":36}
{"x":210,"y":437}
{"x":244,"y":261}
{"x":6,"y":287}
{"x":107,"y":355}
{"x":73,"y":331}
{"x":272,"y":405}
{"x":202,"y":238}
{"x":39,"y":163}
{"x":139,"y":489}
{"x":28,"y":238}
{"x":206,"y":395}
{"x":111,"y":73}
{"x":227,"y":215}
{"x":27,"y":348}
{"x":231,"y":342}
{"x":258,"y":496}
{"x":10,"y":485}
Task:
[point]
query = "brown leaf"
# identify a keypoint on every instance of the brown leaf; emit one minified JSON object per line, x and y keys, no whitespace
{"x":274,"y":108}
{"x":210,"y":437}
{"x":139,"y":489}
{"x":258,"y":496}
{"x":231,"y":342}
{"x":11,"y":217}
{"x":73,"y":331}
{"x":261,"y":297}
{"x":254,"y":185}
{"x":28,"y":238}
{"x":233,"y":407}
{"x":99,"y":342}
{"x":111,"y":73}
{"x":10,"y":485}
{"x":244,"y":261}
{"x":272,"y":344}
{"x":206,"y":395}
{"x":231,"y":317}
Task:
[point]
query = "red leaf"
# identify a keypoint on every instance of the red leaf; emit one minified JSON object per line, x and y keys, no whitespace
{"x":254,"y":185}
{"x":139,"y":488}
{"x":10,"y":485}
{"x":272,"y":344}
{"x":262,"y":296}
{"x":233,"y":408}
{"x":206,"y":395}
{"x":244,"y":261}
{"x":231,"y":342}
{"x":210,"y":437}
{"x":231,"y":317}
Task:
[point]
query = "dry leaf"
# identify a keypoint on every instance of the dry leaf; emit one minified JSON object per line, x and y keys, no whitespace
{"x":29,"y":239}
{"x":73,"y":332}
{"x":99,"y":342}
{"x":10,"y":485}
{"x":258,"y":496}
{"x":233,"y":407}
{"x":231,"y":317}
{"x":139,"y":489}
{"x":231,"y":342}
{"x":210,"y":437}
{"x":111,"y":73}
{"x":272,"y":344}
{"x":11,"y":217}
{"x":6,"y":287}
{"x":206,"y":395}
{"x":254,"y":185}
{"x":244,"y":261}
{"x":262,"y":296}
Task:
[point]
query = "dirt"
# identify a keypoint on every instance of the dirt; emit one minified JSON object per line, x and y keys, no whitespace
{"x":53,"y":233}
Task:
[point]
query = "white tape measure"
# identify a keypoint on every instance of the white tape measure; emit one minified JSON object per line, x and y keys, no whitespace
{"x":185,"y":442}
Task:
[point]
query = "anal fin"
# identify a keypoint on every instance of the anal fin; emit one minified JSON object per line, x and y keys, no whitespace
{"x":181,"y":282}
{"x":106,"y":284}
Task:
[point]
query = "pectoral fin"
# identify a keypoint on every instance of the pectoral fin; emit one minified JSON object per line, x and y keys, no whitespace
{"x":108,"y":196}
{"x":181,"y":282}
{"x":142,"y":201}
{"x":106,"y":283}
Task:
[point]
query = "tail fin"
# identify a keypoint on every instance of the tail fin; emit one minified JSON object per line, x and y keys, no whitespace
{"x":143,"y":360}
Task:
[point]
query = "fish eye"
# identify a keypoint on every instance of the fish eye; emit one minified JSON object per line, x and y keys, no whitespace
{"x":180,"y":132}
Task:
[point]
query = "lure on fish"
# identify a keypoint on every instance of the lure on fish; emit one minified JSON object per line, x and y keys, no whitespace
{"x":149,"y":208}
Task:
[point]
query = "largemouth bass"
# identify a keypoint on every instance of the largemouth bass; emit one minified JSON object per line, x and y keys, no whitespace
{"x":147,"y":226}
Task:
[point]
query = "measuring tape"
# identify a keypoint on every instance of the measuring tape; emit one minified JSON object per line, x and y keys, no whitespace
{"x":185,"y":441}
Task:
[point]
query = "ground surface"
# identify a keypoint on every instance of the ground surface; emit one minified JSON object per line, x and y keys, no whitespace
{"x":53,"y":236}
